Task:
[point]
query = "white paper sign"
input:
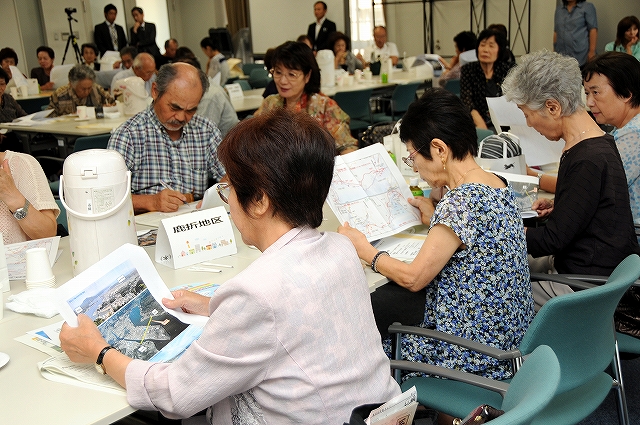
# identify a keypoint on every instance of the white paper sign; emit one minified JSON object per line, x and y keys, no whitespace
{"x":537,"y":149}
{"x":192,"y":238}
{"x":234,"y":90}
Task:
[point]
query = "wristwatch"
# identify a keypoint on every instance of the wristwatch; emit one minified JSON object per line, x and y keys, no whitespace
{"x":21,"y":213}
{"x":99,"y":365}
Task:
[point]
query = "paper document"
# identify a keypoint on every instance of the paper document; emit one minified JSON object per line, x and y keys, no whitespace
{"x":153,"y":219}
{"x":16,"y":255}
{"x":369,"y":192}
{"x":398,"y":410}
{"x":37,"y":118}
{"x":403,"y":246}
{"x":537,"y":149}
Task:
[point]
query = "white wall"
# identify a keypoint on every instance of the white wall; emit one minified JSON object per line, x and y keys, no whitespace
{"x":275,"y":21}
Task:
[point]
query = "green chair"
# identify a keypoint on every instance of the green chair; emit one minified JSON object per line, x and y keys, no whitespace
{"x":403,"y":95}
{"x":91,"y":142}
{"x":63,"y":225}
{"x":259,"y":78}
{"x":578,"y":327}
{"x":482,"y":133}
{"x":244,"y":84}
{"x":453,"y":86}
{"x":248,"y":67}
{"x":356,"y":105}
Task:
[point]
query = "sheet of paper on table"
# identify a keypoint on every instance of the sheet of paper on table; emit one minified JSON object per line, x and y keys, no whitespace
{"x":403,"y":246}
{"x":153,"y":219}
{"x":370,"y":193}
{"x":16,"y":255}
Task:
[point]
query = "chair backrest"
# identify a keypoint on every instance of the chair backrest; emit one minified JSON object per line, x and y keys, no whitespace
{"x":244,"y":84}
{"x":403,"y":95}
{"x":355,"y":103}
{"x":91,"y":142}
{"x":531,"y":389}
{"x":248,"y":67}
{"x":259,"y":78}
{"x":579,"y":326}
{"x":453,"y":86}
{"x":62,"y":217}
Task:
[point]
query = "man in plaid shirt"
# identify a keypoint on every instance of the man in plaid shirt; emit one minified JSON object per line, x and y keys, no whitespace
{"x":170,"y":151}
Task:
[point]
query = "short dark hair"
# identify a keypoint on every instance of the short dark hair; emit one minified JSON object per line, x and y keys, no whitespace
{"x":47,"y":49}
{"x":337,"y":35}
{"x":439,"y":114}
{"x":129,"y":50}
{"x":137,"y":9}
{"x":191,"y":61}
{"x":501,"y":40}
{"x":465,"y":40}
{"x":89,"y":46}
{"x":624,"y":24}
{"x":322,"y":3}
{"x":287,"y":157}
{"x":109,"y":7}
{"x":209,"y":42}
{"x":4,"y":76}
{"x":565,"y":2}
{"x":8,"y":52}
{"x":302,"y":38}
{"x":621,"y":69}
{"x":299,"y":56}
{"x":166,"y":43}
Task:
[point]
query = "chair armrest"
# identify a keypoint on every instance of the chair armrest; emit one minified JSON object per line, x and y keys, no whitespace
{"x":496,"y":353}
{"x":574,"y":281}
{"x":456,"y":375}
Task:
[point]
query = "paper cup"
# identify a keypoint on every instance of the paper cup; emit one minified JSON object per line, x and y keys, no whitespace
{"x":14,"y":92}
{"x":91,"y":112}
{"x":348,"y":80}
{"x":82,"y":112}
{"x":24,"y":91}
{"x":39,"y":271}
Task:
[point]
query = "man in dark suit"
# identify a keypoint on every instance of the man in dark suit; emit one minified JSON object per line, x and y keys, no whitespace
{"x":143,"y":34}
{"x":109,"y":35}
{"x":320,"y":30}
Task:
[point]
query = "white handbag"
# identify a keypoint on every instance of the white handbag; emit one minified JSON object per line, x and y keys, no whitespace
{"x":502,"y":152}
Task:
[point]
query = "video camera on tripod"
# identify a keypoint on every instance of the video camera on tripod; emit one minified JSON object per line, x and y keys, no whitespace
{"x":72,"y":37}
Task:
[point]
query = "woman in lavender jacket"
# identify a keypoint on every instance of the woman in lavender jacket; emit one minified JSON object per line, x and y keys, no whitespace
{"x":292,"y":338}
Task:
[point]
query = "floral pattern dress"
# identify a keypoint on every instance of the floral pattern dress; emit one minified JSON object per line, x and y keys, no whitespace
{"x":483,"y":293}
{"x":324,"y":109}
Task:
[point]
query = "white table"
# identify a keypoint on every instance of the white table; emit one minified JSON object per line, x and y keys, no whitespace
{"x":28,"y":398}
{"x":66,"y":129}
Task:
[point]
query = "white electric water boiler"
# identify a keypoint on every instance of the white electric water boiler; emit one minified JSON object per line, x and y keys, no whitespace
{"x":326,"y":63}
{"x":95,"y":189}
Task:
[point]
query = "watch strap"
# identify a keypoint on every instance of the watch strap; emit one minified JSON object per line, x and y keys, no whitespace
{"x":101,"y":358}
{"x":22,"y":212}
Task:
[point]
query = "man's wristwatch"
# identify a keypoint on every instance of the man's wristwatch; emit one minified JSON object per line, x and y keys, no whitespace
{"x":99,"y":365}
{"x":21,"y":213}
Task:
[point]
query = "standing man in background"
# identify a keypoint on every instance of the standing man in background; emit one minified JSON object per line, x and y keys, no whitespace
{"x":143,"y":34}
{"x":575,"y":30}
{"x":320,"y":30}
{"x":381,"y":49}
{"x":109,"y":35}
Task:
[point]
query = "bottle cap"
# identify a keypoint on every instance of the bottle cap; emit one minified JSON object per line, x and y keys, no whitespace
{"x":413,"y":181}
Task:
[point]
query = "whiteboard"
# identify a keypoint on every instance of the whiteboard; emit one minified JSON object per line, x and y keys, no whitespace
{"x":275,"y":21}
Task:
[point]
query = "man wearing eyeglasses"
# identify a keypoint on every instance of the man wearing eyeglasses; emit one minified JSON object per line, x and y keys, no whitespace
{"x":170,"y":152}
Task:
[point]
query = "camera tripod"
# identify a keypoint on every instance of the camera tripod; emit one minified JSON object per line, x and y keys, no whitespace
{"x":72,"y":40}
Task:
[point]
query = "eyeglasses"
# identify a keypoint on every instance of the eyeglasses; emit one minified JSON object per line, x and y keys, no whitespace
{"x":409,"y":159}
{"x":223,"y":190}
{"x":289,"y":75}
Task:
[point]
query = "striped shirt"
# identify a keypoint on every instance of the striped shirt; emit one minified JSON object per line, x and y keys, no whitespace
{"x":185,"y":164}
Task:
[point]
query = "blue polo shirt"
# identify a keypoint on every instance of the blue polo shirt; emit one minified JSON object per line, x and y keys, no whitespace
{"x":572,"y":30}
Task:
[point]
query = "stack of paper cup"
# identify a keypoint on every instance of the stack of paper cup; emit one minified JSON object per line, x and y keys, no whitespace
{"x":39,"y":273}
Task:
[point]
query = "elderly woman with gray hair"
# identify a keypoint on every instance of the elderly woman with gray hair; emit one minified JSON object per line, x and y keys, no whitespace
{"x":589,"y":228}
{"x":82,"y":90}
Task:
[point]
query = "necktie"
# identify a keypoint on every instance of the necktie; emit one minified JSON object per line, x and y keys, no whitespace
{"x":114,"y":36}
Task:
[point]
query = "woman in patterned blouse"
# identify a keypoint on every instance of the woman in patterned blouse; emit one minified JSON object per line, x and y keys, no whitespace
{"x":297,"y":77}
{"x":472,"y":267}
{"x":482,"y":79}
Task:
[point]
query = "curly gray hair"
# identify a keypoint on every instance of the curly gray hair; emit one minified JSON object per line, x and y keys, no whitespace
{"x":81,"y":72}
{"x":542,"y":76}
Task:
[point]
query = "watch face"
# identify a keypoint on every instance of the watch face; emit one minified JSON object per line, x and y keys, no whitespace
{"x":20,"y":213}
{"x":99,"y":368}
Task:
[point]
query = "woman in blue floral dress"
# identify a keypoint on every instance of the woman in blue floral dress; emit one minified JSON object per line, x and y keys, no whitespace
{"x":473,"y":264}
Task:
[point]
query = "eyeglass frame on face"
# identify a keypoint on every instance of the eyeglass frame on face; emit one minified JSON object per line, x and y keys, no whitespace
{"x":409,"y":159}
{"x":223,"y":189}
{"x":291,"y":76}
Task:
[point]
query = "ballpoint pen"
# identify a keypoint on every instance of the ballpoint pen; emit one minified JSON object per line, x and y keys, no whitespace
{"x":166,"y":186}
